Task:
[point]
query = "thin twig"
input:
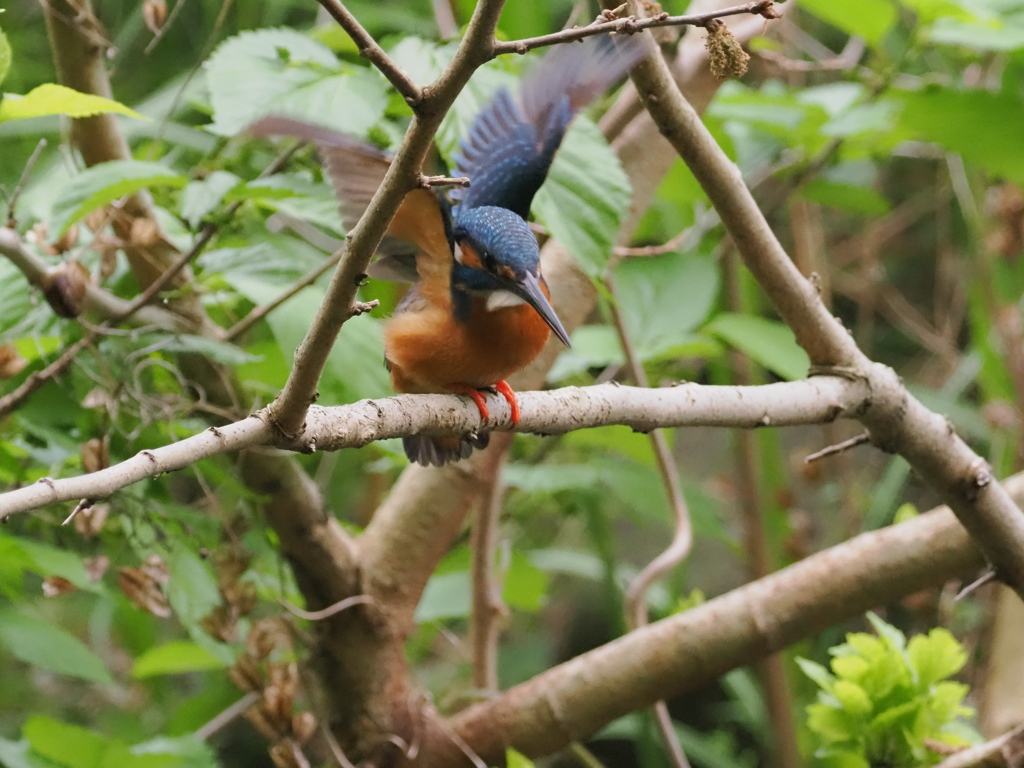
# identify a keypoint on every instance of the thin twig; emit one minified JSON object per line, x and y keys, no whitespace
{"x":988,"y":576}
{"x":331,"y":610}
{"x":13,"y":199}
{"x":488,"y":608}
{"x":447,"y":26}
{"x":336,"y":751}
{"x":845,"y":445}
{"x":682,"y":538}
{"x":227,"y":716}
{"x":373,"y":53}
{"x":426,"y":182}
{"x":654,"y":250}
{"x":631,"y":25}
{"x":991,"y":754}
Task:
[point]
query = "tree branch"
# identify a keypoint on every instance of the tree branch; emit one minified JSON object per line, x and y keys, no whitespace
{"x":630,"y":25}
{"x":817,"y":400}
{"x":897,"y":421}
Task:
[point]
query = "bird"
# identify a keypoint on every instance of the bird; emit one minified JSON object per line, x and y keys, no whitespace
{"x":479,"y":309}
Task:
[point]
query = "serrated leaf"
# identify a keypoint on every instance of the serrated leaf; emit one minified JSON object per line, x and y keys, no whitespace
{"x":199,"y":198}
{"x":935,"y":656}
{"x":888,"y":632}
{"x":281,"y":71}
{"x":817,"y":673}
{"x":104,"y":183}
{"x":174,"y":658}
{"x":49,"y":647}
{"x":584,"y":197}
{"x":832,"y":725}
{"x":852,"y":698}
{"x":447,"y":596}
{"x":664,"y":298}
{"x":972,"y":123}
{"x":770,"y":343}
{"x":53,"y":99}
{"x":870,"y":19}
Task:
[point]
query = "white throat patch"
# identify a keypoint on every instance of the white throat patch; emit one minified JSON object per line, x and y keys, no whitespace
{"x":500,"y":299}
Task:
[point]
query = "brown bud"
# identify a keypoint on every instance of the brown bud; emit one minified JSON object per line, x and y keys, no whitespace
{"x":256,"y":716}
{"x":267,"y":635}
{"x":221,"y":623}
{"x":95,"y":455}
{"x":11,"y":363}
{"x":286,"y":754}
{"x":154,"y":13}
{"x":141,"y":589}
{"x":726,"y":56}
{"x":67,"y":241}
{"x":65,"y":287}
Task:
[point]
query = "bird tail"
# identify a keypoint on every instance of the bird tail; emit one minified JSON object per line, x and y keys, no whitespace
{"x":438,"y":451}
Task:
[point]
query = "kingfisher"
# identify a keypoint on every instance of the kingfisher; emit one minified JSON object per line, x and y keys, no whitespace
{"x":479,"y":308}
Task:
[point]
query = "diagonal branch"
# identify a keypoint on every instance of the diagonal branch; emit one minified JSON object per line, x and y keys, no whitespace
{"x":678,"y":654}
{"x":897,"y":421}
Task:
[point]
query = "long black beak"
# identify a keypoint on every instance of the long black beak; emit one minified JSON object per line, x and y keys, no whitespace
{"x":529,"y":288}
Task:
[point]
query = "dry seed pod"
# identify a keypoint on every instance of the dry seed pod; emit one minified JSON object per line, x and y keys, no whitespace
{"x":64,"y":288}
{"x":267,"y":635}
{"x":90,"y":521}
{"x":154,"y":13}
{"x":11,"y":363}
{"x":141,"y":589}
{"x":255,"y":716}
{"x":286,"y":754}
{"x":726,"y":56}
{"x":221,"y":623}
{"x":246,"y":674}
{"x":55,"y":586}
{"x":156,"y":569}
{"x":95,"y":454}
{"x":303,"y":726}
{"x":95,"y":567}
{"x":67,"y":241}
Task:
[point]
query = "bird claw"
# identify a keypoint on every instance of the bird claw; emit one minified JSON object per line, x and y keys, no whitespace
{"x":510,"y":397}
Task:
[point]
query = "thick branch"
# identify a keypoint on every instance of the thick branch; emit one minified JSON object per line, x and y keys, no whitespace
{"x":351,"y":426}
{"x":897,"y":422}
{"x":678,"y":654}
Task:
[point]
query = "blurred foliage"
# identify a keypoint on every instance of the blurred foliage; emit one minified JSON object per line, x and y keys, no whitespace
{"x":882,"y":139}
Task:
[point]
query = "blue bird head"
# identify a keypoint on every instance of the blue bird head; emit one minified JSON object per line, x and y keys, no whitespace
{"x":497,"y":254}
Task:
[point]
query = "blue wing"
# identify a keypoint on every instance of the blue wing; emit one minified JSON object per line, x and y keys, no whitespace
{"x":512,"y":142}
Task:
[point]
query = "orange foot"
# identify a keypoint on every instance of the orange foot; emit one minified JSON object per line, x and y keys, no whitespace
{"x":513,"y":402}
{"x":475,"y":395}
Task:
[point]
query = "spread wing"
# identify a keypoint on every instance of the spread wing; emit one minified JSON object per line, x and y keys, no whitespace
{"x":512,"y":142}
{"x":356,"y":170}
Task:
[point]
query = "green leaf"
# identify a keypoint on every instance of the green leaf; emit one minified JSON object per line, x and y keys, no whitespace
{"x":19,"y":754}
{"x":770,"y":343}
{"x":888,"y":632}
{"x":525,"y":585}
{"x":852,"y":698}
{"x":845,"y":197}
{"x":870,"y":19}
{"x":972,"y":123}
{"x":217,"y":351}
{"x":663,"y":299}
{"x":585,"y":196}
{"x":5,"y":57}
{"x":833,"y":725}
{"x":104,"y":183}
{"x":48,"y":647}
{"x":283,"y":72}
{"x":14,"y":561}
{"x":66,"y":744}
{"x":593,"y":346}
{"x":448,"y":596}
{"x":514,"y":759}
{"x":199,"y":198}
{"x":190,"y":751}
{"x":817,"y":673}
{"x":935,"y":656}
{"x":191,"y":589}
{"x":174,"y":658}
{"x":53,"y":99}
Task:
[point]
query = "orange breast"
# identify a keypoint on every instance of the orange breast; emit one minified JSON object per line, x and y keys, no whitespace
{"x":429,"y":350}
